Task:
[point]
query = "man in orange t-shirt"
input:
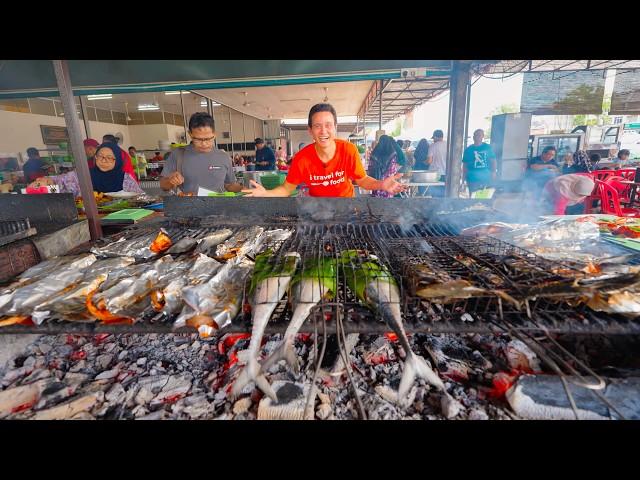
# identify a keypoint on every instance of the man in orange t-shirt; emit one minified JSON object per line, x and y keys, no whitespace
{"x":329,"y":167}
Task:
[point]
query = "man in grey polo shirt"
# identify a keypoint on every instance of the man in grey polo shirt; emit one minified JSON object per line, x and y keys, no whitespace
{"x":199,"y":164}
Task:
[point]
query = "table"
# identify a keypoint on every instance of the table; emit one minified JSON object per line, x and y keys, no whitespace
{"x":414,"y":189}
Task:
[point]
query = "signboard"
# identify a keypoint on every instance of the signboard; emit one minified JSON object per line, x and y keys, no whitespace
{"x":632,"y":126}
{"x":562,"y":93}
{"x":54,"y":135}
{"x":625,"y":99}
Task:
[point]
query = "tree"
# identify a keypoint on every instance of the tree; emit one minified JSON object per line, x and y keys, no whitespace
{"x":397,"y":130}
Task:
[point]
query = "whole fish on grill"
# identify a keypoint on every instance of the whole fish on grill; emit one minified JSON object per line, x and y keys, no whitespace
{"x":213,"y":305}
{"x":317,"y":281}
{"x":183,"y":245}
{"x":142,"y":248}
{"x":241,"y":243}
{"x":169,"y":299}
{"x":213,"y":240}
{"x":435,"y":285}
{"x":120,"y":289}
{"x":72,"y":305}
{"x":374,"y":285}
{"x":27,"y":298}
{"x":269,"y":284}
{"x":37,"y":272}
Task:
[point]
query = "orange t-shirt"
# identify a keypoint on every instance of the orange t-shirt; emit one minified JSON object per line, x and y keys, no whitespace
{"x":330,"y":180}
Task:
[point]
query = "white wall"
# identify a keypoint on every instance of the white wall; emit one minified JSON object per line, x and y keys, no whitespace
{"x":99,"y":129}
{"x":174,"y":133}
{"x":298,"y":136}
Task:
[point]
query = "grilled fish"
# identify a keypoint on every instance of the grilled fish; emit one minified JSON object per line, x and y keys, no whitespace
{"x":373,"y":284}
{"x":72,"y":305}
{"x":25,"y":299}
{"x":317,"y":281}
{"x":241,"y":243}
{"x":269,"y":284}
{"x":430,"y":284}
{"x":169,"y":299}
{"x":183,"y":245}
{"x":213,"y":240}
{"x":145,"y":247}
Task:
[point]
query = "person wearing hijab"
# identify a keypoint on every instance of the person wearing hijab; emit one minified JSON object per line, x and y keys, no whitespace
{"x":564,"y":195}
{"x":106,"y":176}
{"x":420,"y":155}
{"x":385,"y":162}
{"x":90,"y":146}
{"x":582,"y":163}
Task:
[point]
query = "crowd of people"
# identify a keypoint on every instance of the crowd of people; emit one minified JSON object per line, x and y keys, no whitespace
{"x":328,"y":166}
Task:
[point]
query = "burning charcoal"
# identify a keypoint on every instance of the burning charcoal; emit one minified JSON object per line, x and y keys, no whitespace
{"x":108,"y":375}
{"x":104,"y":360}
{"x":54,"y":394}
{"x":22,"y":398}
{"x":81,"y":365}
{"x":116,"y":394}
{"x":478,"y":414}
{"x":158,"y":415}
{"x":38,"y":374}
{"x":144,"y":396}
{"x":450,"y":406}
{"x":44,"y":348}
{"x":139,"y":411}
{"x":70,"y":409}
{"x":76,"y":378}
{"x":176,"y":387}
{"x":141,"y":361}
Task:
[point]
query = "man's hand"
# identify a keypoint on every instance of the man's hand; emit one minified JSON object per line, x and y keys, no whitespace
{"x":391,"y":185}
{"x":257,"y":190}
{"x":175,"y":179}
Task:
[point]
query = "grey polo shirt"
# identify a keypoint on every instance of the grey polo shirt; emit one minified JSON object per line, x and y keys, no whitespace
{"x":207,"y":170}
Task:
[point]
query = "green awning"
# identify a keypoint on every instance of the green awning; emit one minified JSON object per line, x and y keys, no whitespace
{"x":35,"y":78}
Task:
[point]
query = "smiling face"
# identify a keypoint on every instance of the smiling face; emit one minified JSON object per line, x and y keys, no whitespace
{"x":105,"y":159}
{"x":323,"y":129}
{"x":202,"y":139}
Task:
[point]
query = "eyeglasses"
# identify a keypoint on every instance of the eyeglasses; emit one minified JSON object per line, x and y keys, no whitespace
{"x":202,"y":140}
{"x":105,"y":159}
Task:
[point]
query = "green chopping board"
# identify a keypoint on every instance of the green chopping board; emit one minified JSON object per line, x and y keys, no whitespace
{"x":131,"y":214}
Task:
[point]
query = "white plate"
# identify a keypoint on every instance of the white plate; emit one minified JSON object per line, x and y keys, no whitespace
{"x":122,"y":194}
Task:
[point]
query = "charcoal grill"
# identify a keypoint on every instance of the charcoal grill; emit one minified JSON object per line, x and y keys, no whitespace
{"x":402,"y":234}
{"x":399,"y":238}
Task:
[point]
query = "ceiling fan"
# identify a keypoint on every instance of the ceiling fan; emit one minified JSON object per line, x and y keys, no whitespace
{"x":326,"y":96}
{"x":246,"y":103}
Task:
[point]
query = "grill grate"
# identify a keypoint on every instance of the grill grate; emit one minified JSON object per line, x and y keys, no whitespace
{"x":482,"y":261}
{"x":12,"y":230}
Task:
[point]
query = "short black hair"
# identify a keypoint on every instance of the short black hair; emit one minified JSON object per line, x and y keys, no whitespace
{"x":258,"y":141}
{"x":132,"y":147}
{"x":32,"y":151}
{"x":201,"y":119}
{"x":595,"y":157}
{"x":548,"y":148}
{"x":624,"y":151}
{"x":108,"y":138}
{"x":322,"y":107}
{"x":157,"y":153}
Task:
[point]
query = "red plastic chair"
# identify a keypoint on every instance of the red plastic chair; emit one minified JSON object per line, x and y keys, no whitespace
{"x":595,"y":195}
{"x":623,"y":189}
{"x":602,"y":174}
{"x":610,"y":202}
{"x":626,"y":173}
